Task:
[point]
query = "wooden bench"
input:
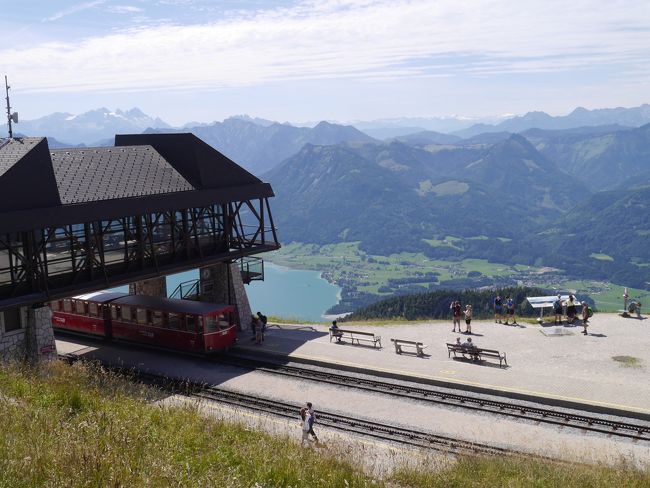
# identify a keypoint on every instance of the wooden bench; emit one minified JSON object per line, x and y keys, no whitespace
{"x":400,"y":343}
{"x":477,"y":353}
{"x":356,"y":335}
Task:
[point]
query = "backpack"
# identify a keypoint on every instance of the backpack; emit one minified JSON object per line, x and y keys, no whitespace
{"x":303,"y":412}
{"x":590,"y":312}
{"x":557,"y":306}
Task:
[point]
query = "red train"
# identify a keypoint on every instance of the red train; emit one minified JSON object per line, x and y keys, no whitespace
{"x":177,"y":324}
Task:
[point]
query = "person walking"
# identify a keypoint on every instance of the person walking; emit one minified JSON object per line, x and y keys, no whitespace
{"x":311,"y":419}
{"x":456,"y":313}
{"x":304,"y":424}
{"x":585,"y":317}
{"x":468,"y":319}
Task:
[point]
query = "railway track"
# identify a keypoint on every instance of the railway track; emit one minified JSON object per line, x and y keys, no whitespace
{"x":344,"y":423}
{"x":511,"y":408}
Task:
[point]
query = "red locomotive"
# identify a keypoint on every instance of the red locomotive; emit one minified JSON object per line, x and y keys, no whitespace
{"x":177,"y":324}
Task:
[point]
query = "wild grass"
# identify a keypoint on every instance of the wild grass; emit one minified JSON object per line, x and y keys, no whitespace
{"x":523,"y":473}
{"x":80,"y":426}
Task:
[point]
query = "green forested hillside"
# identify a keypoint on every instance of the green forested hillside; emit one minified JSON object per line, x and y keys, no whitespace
{"x":505,"y":202}
{"x":435,"y":304}
{"x":394,"y":197}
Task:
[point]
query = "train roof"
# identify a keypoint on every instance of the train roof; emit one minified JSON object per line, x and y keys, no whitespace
{"x":171,"y":304}
{"x":157,"y":303}
{"x":100,"y":296}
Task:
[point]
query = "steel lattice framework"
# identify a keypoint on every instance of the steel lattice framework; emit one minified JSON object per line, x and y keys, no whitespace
{"x":102,"y":250}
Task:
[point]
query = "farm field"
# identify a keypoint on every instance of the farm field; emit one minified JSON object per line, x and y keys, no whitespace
{"x":347,"y":265}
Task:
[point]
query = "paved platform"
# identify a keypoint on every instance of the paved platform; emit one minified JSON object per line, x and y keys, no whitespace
{"x":553,"y":362}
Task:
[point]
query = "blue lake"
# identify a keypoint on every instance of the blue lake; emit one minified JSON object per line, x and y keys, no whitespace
{"x":286,"y":293}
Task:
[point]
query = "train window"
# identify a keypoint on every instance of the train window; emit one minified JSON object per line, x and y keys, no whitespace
{"x":141,"y":315}
{"x":223,"y":321}
{"x":80,"y":307}
{"x":67,"y":305}
{"x":210,"y":323}
{"x":126,"y":314}
{"x":55,"y":305}
{"x":93,"y":310}
{"x":113,"y":312}
{"x":157,"y":318}
{"x":190,"y":321}
{"x":174,"y":321}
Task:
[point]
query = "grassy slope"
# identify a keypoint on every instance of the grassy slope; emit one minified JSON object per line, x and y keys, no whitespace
{"x":80,"y":426}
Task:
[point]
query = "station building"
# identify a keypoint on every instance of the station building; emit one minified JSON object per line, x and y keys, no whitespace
{"x":83,"y":219}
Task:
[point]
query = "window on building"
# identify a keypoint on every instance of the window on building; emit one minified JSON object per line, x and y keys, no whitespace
{"x":12,"y":319}
{"x":93,"y":309}
{"x":80,"y":307}
{"x":113,"y":312}
{"x":67,"y":305}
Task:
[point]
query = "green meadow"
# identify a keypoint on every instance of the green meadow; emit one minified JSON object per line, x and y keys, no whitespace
{"x":345,"y":263}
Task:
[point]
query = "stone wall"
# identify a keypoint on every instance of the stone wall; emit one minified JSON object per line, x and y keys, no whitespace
{"x":34,"y":342}
{"x":155,"y":287}
{"x":222,"y":283}
{"x":40,"y":335}
{"x":12,"y":345}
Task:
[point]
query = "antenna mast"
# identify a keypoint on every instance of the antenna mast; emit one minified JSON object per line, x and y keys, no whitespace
{"x":10,"y":117}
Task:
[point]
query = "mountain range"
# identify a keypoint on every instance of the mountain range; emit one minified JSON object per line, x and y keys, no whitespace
{"x":90,"y":127}
{"x":574,"y":198}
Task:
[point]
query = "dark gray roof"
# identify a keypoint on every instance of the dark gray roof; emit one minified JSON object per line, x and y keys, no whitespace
{"x":105,"y":173}
{"x":170,"y":304}
{"x":141,"y":174}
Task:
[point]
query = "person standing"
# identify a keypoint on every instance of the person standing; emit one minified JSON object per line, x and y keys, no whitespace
{"x":456,"y":312}
{"x":585,"y":316}
{"x":498,"y":308}
{"x":263,"y":319}
{"x":557,"y":310}
{"x":468,"y":319}
{"x":571,"y":309}
{"x":510,"y":310}
{"x":311,"y":419}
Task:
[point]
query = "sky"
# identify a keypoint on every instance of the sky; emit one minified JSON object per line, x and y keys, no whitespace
{"x":338,"y":60}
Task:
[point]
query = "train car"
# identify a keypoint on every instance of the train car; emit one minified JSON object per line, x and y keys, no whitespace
{"x":186,"y":325}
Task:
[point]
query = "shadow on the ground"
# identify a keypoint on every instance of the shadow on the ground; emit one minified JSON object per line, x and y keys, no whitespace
{"x":483,"y":362}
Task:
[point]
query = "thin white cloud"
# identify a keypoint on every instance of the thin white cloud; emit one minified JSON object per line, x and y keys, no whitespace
{"x":124,"y":9}
{"x":73,"y":10}
{"x":360,"y":39}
